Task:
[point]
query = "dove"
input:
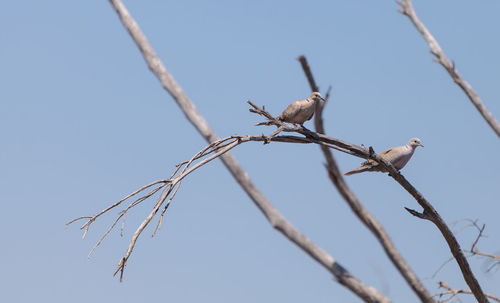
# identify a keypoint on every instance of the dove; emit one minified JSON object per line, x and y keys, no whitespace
{"x":397,"y":156}
{"x":301,"y":110}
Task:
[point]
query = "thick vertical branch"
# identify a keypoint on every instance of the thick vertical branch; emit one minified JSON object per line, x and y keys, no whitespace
{"x":449,"y":66}
{"x":368,"y":294}
{"x":359,"y":210}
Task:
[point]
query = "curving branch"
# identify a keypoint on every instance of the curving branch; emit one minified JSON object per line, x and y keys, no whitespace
{"x":170,"y":186}
{"x":449,"y":66}
{"x":276,"y":219}
{"x":429,"y":212}
{"x":432,"y":215}
{"x":359,"y":210}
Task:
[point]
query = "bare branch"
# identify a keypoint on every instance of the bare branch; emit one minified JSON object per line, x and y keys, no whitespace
{"x":432,"y":215}
{"x":276,"y":219}
{"x":450,"y":293}
{"x":441,"y":267}
{"x":479,"y":235}
{"x":122,"y":215}
{"x":90,"y":220}
{"x":307,"y":70}
{"x":171,"y":185}
{"x":474,"y":251}
{"x":449,"y":66}
{"x":175,"y":183}
{"x":359,"y":210}
{"x":311,"y":137}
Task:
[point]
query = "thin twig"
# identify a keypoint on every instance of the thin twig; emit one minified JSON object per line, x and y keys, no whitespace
{"x":474,"y":250}
{"x":212,"y":151}
{"x":449,"y":66}
{"x":92,"y":219}
{"x":450,"y":293}
{"x":175,"y":181}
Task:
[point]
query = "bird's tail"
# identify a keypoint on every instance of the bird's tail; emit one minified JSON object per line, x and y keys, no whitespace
{"x":358,"y":170}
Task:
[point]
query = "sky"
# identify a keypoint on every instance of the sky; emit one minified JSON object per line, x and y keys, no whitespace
{"x":84,"y":122}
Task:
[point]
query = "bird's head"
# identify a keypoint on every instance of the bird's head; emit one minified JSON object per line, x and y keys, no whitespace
{"x":414,"y":142}
{"x":316,"y":96}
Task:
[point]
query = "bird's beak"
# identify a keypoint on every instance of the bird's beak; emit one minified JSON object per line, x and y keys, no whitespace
{"x":421,"y":144}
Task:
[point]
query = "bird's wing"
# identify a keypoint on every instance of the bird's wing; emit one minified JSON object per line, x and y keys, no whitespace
{"x":291,"y":111}
{"x":398,"y":156}
{"x":392,"y":153}
{"x":312,"y":114}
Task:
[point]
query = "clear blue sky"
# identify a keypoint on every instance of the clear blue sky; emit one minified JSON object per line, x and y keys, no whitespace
{"x":84,"y":122}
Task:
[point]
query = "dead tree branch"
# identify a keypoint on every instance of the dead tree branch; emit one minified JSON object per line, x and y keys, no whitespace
{"x":359,"y":210}
{"x":474,"y":250}
{"x":312,"y":137}
{"x":450,"y":293}
{"x":429,"y":212}
{"x":432,"y":215}
{"x":171,"y":185}
{"x":449,"y":66}
{"x":276,"y":219}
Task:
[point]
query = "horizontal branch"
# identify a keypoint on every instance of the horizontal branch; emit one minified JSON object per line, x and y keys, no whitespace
{"x":310,"y":136}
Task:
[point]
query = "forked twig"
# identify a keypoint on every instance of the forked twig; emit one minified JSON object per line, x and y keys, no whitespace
{"x":451,"y":293}
{"x":474,"y":250}
{"x":170,"y":186}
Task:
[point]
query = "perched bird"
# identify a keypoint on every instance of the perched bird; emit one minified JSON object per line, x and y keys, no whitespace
{"x":397,"y":156}
{"x":301,"y":110}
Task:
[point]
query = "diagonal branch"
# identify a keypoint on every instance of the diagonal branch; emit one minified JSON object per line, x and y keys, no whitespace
{"x":449,"y":66}
{"x":429,"y":212}
{"x":432,"y":215}
{"x":359,"y":210}
{"x":273,"y":216}
{"x":368,"y":294}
